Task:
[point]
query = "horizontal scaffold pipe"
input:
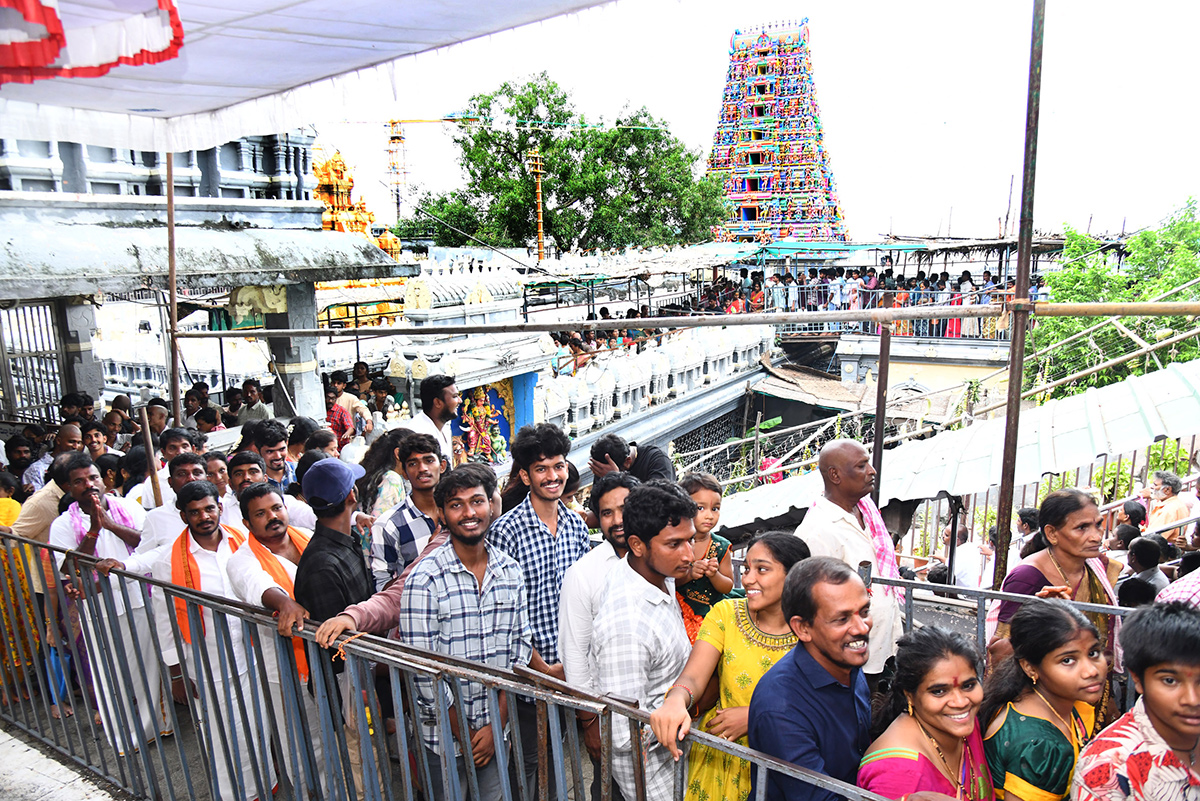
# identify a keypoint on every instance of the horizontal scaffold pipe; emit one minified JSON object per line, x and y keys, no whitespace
{"x":722,"y":320}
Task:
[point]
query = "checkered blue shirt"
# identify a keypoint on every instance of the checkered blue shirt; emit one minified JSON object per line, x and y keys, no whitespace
{"x":444,"y":609}
{"x":522,"y":535}
{"x":396,"y":540}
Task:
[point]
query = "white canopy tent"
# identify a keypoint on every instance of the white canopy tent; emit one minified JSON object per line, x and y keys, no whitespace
{"x":244,"y":67}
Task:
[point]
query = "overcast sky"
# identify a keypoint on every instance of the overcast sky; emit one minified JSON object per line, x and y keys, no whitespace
{"x":923,"y":103}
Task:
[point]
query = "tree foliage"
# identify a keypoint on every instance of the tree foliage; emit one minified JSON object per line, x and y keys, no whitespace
{"x":630,"y":183}
{"x":1157,"y":261}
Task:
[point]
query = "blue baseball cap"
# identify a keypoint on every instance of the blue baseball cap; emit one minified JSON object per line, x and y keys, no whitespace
{"x":329,"y":481}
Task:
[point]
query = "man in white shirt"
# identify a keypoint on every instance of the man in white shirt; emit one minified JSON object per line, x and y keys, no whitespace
{"x":638,"y":638}
{"x":263,"y":573}
{"x":107,"y":526}
{"x":844,"y":523}
{"x":198,"y":560}
{"x":583,"y":587}
{"x":439,"y":405}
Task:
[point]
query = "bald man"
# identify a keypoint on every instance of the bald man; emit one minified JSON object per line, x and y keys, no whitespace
{"x":845,"y":523}
{"x":67,"y":439}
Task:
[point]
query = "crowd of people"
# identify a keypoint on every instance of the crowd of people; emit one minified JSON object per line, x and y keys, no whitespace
{"x":451,"y":560}
{"x":854,"y":289}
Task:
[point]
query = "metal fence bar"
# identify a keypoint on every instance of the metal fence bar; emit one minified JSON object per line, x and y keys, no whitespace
{"x":238,"y":719}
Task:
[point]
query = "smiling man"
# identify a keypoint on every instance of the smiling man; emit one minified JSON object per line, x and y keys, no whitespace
{"x":1151,"y":751}
{"x":639,"y":642}
{"x":271,"y":440}
{"x":466,"y":600}
{"x":545,"y":537}
{"x":812,"y":708}
{"x":844,"y":523}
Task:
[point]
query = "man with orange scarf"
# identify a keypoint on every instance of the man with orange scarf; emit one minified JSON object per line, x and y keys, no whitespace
{"x":198,"y":560}
{"x":263,"y":574}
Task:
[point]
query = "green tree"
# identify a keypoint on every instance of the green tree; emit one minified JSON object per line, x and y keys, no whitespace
{"x":630,"y":183}
{"x":1157,"y":262}
{"x":458,"y":219}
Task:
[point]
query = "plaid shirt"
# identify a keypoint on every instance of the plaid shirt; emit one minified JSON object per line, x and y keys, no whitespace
{"x":340,"y":423}
{"x":640,"y":646}
{"x":289,"y":475}
{"x":396,"y":539}
{"x":1184,"y":589}
{"x":444,"y":609}
{"x":330,"y":576}
{"x":521,"y":534}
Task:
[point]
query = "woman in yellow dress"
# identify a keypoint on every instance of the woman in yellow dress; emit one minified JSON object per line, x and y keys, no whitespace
{"x":740,"y":639}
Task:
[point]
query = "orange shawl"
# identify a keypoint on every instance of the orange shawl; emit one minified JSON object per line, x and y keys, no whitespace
{"x":270,"y":563}
{"x":186,"y":573}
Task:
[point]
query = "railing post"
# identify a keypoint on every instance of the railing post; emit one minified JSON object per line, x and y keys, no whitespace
{"x":1020,"y":317}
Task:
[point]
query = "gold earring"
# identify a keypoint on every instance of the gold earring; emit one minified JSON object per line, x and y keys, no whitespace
{"x":1034,"y":680}
{"x":910,"y":710}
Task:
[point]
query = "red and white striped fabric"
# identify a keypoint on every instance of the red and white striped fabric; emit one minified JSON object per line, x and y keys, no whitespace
{"x":35,"y":44}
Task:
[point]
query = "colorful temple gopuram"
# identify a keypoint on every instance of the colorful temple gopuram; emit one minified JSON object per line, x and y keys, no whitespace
{"x":769,"y":146}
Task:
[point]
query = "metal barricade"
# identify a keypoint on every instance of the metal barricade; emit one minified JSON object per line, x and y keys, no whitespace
{"x":983,"y":600}
{"x":246,"y":726}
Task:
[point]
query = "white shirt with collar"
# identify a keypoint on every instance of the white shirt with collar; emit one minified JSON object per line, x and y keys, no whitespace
{"x":63,"y":534}
{"x":583,"y":586}
{"x":422,"y":423}
{"x":168,"y":494}
{"x":213,"y":567}
{"x":161,"y":528}
{"x":829,"y":530}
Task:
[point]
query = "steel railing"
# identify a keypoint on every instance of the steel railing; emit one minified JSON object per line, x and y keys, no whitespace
{"x":238,"y":735}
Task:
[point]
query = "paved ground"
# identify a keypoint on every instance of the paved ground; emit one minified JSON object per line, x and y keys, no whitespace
{"x":30,"y":775}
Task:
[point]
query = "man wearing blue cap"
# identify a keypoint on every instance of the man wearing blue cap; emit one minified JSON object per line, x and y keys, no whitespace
{"x":332,"y":574}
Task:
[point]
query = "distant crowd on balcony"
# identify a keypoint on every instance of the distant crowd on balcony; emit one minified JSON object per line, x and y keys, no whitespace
{"x":855,"y":289}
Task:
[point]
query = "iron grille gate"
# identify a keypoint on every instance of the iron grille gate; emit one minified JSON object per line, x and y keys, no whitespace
{"x":30,"y":362}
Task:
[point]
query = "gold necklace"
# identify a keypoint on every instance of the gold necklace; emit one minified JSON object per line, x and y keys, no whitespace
{"x":1061,"y":572}
{"x":1072,"y":732}
{"x":961,"y":756}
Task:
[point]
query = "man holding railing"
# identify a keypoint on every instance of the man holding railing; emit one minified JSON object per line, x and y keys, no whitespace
{"x":639,"y":641}
{"x":466,"y":600}
{"x":198,"y":560}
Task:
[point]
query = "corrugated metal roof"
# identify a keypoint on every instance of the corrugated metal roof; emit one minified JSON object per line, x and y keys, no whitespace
{"x":1060,"y":435}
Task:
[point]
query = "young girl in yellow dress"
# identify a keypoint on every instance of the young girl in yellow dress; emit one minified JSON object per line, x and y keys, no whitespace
{"x":741,"y":639}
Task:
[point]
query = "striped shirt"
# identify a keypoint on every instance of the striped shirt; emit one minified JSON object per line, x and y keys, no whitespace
{"x":445,"y":610}
{"x":640,"y":646}
{"x":544,"y":558}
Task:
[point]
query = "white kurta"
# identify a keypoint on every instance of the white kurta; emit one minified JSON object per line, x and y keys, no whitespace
{"x":829,"y":530}
{"x":213,"y":567}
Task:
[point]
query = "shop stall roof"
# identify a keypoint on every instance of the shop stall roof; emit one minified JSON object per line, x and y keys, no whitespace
{"x":1058,"y":436}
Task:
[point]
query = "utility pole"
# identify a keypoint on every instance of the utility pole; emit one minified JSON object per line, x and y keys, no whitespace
{"x":535,"y":167}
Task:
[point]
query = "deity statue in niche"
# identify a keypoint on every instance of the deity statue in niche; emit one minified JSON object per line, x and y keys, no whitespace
{"x":483,"y":422}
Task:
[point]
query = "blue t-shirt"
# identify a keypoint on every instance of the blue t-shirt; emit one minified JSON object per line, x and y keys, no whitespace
{"x":803,"y":715}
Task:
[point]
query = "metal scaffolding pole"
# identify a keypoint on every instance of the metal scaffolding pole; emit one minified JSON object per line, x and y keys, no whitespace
{"x":1020,"y":321}
{"x":173,"y":334}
